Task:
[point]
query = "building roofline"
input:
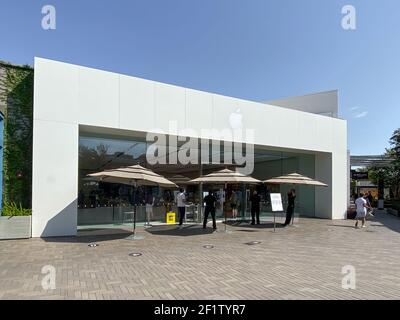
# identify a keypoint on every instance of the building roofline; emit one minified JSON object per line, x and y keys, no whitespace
{"x":37,"y":58}
{"x":303,"y":95}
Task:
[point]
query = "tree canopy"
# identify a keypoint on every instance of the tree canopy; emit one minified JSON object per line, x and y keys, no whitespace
{"x":391,"y":174}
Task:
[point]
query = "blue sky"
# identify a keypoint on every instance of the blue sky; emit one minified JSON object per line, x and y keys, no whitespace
{"x":256,"y":49}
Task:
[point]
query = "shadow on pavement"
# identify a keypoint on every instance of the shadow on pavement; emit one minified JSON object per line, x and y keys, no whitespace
{"x":387,"y":220}
{"x":186,"y":231}
{"x":342,"y":226}
{"x":380,"y":220}
{"x":254,"y":228}
{"x":93,"y":235}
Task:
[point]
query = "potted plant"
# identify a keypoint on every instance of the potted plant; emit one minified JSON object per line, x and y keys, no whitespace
{"x":15,"y":222}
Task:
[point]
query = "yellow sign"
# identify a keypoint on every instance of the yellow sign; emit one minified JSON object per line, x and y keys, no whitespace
{"x":171,"y":217}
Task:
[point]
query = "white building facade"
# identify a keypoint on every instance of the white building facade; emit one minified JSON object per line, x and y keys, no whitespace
{"x":71,"y":101}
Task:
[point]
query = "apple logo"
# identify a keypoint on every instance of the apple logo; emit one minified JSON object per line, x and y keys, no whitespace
{"x":236,"y":120}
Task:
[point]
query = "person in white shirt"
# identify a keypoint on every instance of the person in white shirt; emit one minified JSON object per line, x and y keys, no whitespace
{"x":181,"y":203}
{"x":362,"y":206}
{"x":150,"y":200}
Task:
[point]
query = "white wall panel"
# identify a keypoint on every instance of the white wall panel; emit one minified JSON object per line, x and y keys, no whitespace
{"x":199,"y":110}
{"x":98,"y":98}
{"x":323,"y":195}
{"x":55,"y":178}
{"x":137,"y":104}
{"x":56,"y":91}
{"x":170,"y":106}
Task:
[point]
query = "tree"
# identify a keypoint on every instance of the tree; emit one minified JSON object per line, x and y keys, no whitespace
{"x":391,"y":174}
{"x":395,"y":143}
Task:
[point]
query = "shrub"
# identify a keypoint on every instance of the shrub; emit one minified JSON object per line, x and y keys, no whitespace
{"x":395,"y":204}
{"x":11,"y":209}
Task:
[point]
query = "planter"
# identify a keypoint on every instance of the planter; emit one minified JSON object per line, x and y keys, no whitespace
{"x":15,"y":227}
{"x":393,"y":212}
{"x":351,"y":214}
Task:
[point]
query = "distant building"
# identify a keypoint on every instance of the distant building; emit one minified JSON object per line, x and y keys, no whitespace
{"x":359,"y":178}
{"x":322,"y":103}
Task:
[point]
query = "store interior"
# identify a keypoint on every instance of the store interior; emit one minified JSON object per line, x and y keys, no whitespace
{"x":109,"y":205}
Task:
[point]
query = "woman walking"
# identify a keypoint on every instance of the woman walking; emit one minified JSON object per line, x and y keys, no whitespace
{"x":362,"y":205}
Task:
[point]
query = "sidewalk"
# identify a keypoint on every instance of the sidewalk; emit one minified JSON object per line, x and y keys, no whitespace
{"x":301,"y":262}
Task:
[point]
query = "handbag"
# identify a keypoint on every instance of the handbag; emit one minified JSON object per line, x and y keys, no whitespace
{"x":370,"y":213}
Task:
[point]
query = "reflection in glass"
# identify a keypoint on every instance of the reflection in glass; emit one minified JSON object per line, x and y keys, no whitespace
{"x":112,"y":204}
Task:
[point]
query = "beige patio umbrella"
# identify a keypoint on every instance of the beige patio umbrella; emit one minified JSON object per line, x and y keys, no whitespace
{"x":296,"y":179}
{"x":134,"y":176}
{"x":179,"y":179}
{"x":225,"y":177}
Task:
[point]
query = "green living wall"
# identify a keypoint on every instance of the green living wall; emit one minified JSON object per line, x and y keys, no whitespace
{"x":17,"y":100}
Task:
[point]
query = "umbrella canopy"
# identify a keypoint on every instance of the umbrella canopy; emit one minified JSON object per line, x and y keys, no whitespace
{"x":133,"y":175}
{"x":295,"y":178}
{"x":179,"y":179}
{"x":226,"y":176}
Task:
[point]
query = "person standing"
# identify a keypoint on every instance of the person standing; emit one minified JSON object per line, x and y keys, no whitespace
{"x":150,"y":201}
{"x":167,"y":199}
{"x":362,"y":206}
{"x":181,"y":203}
{"x":234,"y":204}
{"x":290,"y":208}
{"x":210,"y":201}
{"x":255,"y":200}
{"x":370,"y":198}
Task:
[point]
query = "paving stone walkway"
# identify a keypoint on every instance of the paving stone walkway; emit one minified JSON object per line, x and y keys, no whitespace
{"x":297,"y":262}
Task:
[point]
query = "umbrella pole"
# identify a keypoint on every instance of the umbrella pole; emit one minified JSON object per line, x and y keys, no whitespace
{"x":225,"y":221}
{"x":134,"y":219}
{"x":134,"y":236}
{"x":225,"y":210}
{"x":134,"y":211}
{"x":147,"y":223}
{"x":293,"y":217}
{"x":274,"y":222}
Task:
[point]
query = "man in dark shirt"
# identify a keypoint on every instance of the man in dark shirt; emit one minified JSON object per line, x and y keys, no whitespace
{"x":370,"y":198}
{"x":290,"y":208}
{"x":210,"y":208}
{"x":255,"y":200}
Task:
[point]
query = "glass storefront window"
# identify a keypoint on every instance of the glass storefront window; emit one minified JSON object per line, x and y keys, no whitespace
{"x":112,"y":204}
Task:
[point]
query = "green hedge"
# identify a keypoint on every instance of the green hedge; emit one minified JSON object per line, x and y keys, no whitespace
{"x":18,"y":131}
{"x":395,"y":204}
{"x":11,"y":209}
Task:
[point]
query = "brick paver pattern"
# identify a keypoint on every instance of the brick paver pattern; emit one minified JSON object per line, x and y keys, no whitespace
{"x":298,"y":262}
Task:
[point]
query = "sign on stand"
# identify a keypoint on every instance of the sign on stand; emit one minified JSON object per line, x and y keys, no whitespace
{"x":277,"y":206}
{"x":276,"y":202}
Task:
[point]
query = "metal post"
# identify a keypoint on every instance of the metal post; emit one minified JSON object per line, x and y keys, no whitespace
{"x":225,"y":221}
{"x":200,"y":210}
{"x":134,"y":211}
{"x":293,"y":216}
{"x":134,"y":219}
{"x":134,"y":236}
{"x":223,"y":205}
{"x":244,"y":201}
